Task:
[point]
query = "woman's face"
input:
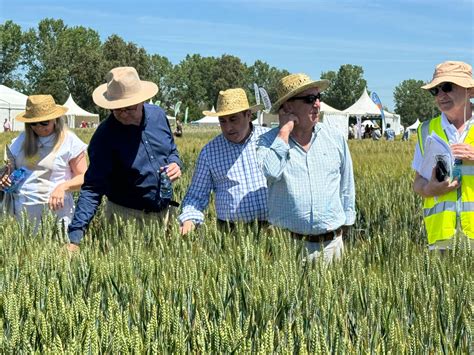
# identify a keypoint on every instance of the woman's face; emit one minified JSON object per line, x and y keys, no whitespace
{"x":452,"y":101}
{"x":43,"y":129}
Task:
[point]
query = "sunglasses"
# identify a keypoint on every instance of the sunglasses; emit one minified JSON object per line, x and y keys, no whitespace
{"x":126,"y":109}
{"x":445,"y":87}
{"x":44,"y":124}
{"x":308,"y":99}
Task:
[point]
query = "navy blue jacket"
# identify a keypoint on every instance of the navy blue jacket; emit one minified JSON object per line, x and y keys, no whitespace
{"x":125,"y":163}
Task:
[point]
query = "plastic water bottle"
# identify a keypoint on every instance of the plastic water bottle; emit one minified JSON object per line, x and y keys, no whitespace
{"x":16,"y":178}
{"x":166,"y":190}
{"x":456,"y":172}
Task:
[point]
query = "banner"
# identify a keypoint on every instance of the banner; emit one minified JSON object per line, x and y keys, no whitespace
{"x":376,"y":100}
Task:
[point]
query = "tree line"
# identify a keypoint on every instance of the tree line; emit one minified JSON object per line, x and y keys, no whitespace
{"x":57,"y":59}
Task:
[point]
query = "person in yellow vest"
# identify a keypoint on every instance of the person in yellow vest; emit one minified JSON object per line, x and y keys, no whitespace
{"x":449,"y":203}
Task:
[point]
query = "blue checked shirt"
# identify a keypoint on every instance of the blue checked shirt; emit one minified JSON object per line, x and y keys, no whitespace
{"x":232,"y":172}
{"x":308,"y":192}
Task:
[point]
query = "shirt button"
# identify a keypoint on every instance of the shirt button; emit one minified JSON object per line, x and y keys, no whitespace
{"x":146,"y":142}
{"x":152,"y":157}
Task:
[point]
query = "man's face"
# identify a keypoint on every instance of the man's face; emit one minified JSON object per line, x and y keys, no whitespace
{"x":130,"y":115}
{"x":450,"y":101}
{"x":236,"y":127}
{"x":306,"y":107}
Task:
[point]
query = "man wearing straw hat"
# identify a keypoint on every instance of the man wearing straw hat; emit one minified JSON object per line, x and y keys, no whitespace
{"x":227,"y":165}
{"x":308,"y":169}
{"x":448,"y":200}
{"x":128,"y":152}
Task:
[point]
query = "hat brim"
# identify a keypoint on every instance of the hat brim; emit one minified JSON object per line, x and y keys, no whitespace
{"x":147,"y":91}
{"x":58,"y":112}
{"x":254,"y":109}
{"x":463,"y":82}
{"x":320,"y":84}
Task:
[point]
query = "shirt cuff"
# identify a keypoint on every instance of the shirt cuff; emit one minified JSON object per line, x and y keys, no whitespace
{"x":76,"y":236}
{"x":350,"y":218}
{"x":195,"y":216}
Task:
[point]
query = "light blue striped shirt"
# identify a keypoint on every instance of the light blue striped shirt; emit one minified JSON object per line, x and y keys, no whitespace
{"x":308,"y":192}
{"x":231,"y":171}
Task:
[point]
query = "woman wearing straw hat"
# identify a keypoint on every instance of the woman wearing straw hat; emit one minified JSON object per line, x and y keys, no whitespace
{"x":132,"y":155}
{"x":308,"y":168}
{"x":51,"y":159}
{"x":448,"y":201}
{"x":228,"y":166}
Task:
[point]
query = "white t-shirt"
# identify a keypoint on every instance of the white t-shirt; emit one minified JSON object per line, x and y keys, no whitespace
{"x":48,"y":169}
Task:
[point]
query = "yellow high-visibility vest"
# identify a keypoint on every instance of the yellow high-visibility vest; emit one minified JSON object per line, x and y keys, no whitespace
{"x":442,"y":212}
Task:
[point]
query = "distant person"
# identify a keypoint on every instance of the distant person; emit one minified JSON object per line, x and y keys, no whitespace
{"x":49,"y":161}
{"x":179,"y":129}
{"x":132,"y":156}
{"x":6,"y":125}
{"x":351,"y":132}
{"x":389,"y":133}
{"x":227,"y":165}
{"x":308,"y":167}
{"x":449,"y":204}
{"x":406,"y":135}
{"x":376,"y":133}
{"x":83,"y":124}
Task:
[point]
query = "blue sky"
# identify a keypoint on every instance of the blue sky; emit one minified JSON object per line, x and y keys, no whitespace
{"x":392,"y":40}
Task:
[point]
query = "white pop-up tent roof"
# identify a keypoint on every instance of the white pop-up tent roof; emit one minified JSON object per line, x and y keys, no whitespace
{"x":76,"y":114}
{"x":208,"y":120}
{"x":414,"y":126}
{"x":335,"y":118}
{"x":12,"y":103}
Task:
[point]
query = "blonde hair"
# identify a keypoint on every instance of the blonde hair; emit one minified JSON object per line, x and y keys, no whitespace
{"x":30,"y":144}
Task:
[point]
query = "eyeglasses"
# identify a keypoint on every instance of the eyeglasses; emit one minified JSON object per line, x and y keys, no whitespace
{"x":445,"y":87}
{"x":126,"y":109}
{"x":44,"y":124}
{"x":308,"y":99}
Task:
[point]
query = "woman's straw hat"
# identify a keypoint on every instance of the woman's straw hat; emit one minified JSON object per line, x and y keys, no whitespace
{"x":40,"y":108}
{"x":459,"y":73}
{"x":232,"y":101}
{"x":293,"y":84}
{"x":123,"y":88}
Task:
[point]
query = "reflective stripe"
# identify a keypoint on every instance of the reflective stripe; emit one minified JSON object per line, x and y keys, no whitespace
{"x":423,"y":134}
{"x":467,"y":206}
{"x":440,"y":207}
{"x":467,"y":169}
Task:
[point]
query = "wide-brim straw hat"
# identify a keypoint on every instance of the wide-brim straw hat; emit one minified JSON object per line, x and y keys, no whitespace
{"x":123,"y":88}
{"x":232,"y":101}
{"x":40,"y":108}
{"x":459,"y":73}
{"x":293,"y":84}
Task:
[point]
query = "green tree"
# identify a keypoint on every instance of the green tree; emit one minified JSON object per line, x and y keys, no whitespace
{"x":161,"y":70}
{"x":265,"y":76}
{"x":11,"y":43}
{"x":412,"y":102}
{"x":346,"y":86}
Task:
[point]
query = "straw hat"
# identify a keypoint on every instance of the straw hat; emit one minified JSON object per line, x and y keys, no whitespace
{"x":293,"y":84}
{"x":232,"y":101}
{"x":40,"y":108}
{"x":459,"y":73}
{"x":123,"y":88}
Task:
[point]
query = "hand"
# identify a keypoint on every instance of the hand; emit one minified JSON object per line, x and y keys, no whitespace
{"x":5,"y":179}
{"x":188,"y":226}
{"x":463,"y":151}
{"x":174,"y":172}
{"x":72,"y":248}
{"x":287,"y":119}
{"x":436,"y":188}
{"x":56,"y":200}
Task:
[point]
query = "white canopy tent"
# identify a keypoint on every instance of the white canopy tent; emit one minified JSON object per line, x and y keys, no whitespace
{"x":75,"y":114}
{"x":208,"y":120}
{"x":365,"y":107}
{"x":335,"y":118}
{"x":412,"y":128}
{"x":12,"y":103}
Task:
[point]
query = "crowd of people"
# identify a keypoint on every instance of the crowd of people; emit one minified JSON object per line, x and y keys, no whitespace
{"x":296,"y":177}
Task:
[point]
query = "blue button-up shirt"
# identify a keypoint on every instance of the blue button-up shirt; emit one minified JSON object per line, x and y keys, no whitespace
{"x":124,"y":166}
{"x":309,"y":192}
{"x":231,"y":171}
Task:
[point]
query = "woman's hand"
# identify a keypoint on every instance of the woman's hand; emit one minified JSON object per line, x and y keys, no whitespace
{"x":56,"y":199}
{"x":463,"y":151}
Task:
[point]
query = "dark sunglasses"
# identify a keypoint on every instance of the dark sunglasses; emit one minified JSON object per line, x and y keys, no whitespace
{"x":44,"y":123}
{"x":126,"y":109}
{"x":308,"y":99}
{"x":445,"y":87}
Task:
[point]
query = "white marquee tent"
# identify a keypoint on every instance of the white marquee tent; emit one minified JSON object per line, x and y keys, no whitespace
{"x":75,"y":114}
{"x":208,"y":120}
{"x":335,"y":118}
{"x":414,"y":126}
{"x":364,"y":106}
{"x":12,"y":103}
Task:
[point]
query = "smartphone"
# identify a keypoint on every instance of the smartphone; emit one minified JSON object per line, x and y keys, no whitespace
{"x":441,"y":168}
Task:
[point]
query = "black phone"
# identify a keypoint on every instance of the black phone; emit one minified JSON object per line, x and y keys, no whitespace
{"x":441,"y":169}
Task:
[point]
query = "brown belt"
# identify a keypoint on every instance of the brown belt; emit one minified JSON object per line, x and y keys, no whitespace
{"x":319,"y":238}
